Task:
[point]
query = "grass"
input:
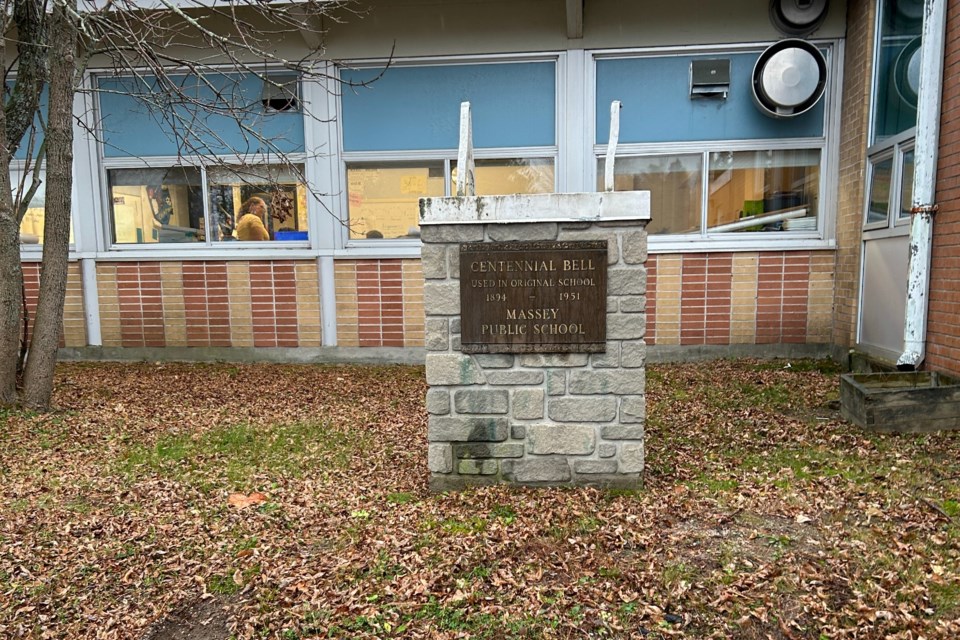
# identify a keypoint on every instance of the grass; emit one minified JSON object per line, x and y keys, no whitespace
{"x":760,"y":511}
{"x":401,"y":497}
{"x":240,"y":452}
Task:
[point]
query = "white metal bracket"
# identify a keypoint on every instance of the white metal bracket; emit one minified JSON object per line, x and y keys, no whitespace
{"x":612,"y":145}
{"x":465,"y":167}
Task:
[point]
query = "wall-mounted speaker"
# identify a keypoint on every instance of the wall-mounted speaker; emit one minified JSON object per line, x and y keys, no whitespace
{"x":789,"y":78}
{"x":798,"y":18}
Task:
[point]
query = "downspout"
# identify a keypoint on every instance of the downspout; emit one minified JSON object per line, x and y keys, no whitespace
{"x":924,"y":184}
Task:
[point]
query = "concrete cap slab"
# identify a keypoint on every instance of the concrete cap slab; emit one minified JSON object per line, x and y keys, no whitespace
{"x":546,"y":207}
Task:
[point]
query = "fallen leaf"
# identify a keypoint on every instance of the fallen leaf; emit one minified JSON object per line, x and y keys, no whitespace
{"x":242,"y":501}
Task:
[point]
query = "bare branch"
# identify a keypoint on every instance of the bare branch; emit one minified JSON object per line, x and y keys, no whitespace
{"x":30,"y":19}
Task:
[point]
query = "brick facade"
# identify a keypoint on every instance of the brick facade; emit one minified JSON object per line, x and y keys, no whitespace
{"x":209,"y":304}
{"x":379,"y":303}
{"x":694,"y":299}
{"x":854,"y":124}
{"x":74,"y":321}
{"x":740,"y":298}
{"x":943,"y":326}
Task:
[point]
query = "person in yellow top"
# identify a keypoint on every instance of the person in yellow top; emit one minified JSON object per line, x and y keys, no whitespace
{"x":252,"y":214}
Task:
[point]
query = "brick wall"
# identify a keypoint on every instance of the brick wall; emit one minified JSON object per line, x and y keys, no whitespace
{"x":379,"y":303}
{"x":694,"y":299}
{"x":740,"y":298}
{"x":852,"y":172}
{"x":74,"y":321}
{"x":209,"y":304}
{"x":943,"y":326}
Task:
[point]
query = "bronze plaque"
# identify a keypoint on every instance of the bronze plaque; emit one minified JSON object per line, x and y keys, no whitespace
{"x":533,"y":297}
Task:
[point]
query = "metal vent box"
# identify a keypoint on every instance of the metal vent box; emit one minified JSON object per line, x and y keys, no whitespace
{"x":709,"y":78}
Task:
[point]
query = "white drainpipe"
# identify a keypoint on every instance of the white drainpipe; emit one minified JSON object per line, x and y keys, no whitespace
{"x":924,"y":184}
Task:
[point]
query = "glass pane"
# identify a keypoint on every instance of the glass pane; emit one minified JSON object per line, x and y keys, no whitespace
{"x":880,"y":178}
{"x":674,"y":183}
{"x":515,"y":175}
{"x":769,"y":190}
{"x":906,"y":184}
{"x":384,"y":198}
{"x":254,"y":203}
{"x":898,"y":68}
{"x":31,"y":227}
{"x":156,"y":205}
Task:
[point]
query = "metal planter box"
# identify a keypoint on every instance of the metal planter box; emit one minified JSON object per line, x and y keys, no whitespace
{"x":904,"y":402}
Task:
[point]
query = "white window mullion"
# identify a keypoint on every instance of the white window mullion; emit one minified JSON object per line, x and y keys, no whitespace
{"x":704,"y":192}
{"x":575,"y":130}
{"x":320,"y":139}
{"x":207,"y":213}
{"x":447,"y":177}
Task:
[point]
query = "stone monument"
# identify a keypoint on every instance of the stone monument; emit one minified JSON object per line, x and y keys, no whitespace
{"x":535,"y":318}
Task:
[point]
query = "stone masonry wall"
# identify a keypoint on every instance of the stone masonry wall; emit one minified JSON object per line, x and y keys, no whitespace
{"x":536,"y":419}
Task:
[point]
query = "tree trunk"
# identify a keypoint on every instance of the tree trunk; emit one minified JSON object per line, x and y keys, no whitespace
{"x":11,"y":274}
{"x":11,"y":301}
{"x":42,"y":359}
{"x":16,"y":118}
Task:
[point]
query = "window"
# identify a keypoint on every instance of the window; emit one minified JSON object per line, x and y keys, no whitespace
{"x":881,"y":182}
{"x":167,"y":205}
{"x":157,"y":205}
{"x":897,"y":68}
{"x":906,"y":184}
{"x":714,"y":166}
{"x":890,"y":187}
{"x":675,"y":183}
{"x":31,"y":227}
{"x":203,"y":169}
{"x":511,"y":175}
{"x":765,"y":190}
{"x":401,"y":130}
{"x":768,"y":190}
{"x":382,"y":196}
{"x":24,"y":170}
{"x":894,"y":114}
{"x":279,"y":188}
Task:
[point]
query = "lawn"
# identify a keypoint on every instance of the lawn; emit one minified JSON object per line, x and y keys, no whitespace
{"x":265,"y":501}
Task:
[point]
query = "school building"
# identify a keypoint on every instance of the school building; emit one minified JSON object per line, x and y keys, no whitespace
{"x":779,"y":141}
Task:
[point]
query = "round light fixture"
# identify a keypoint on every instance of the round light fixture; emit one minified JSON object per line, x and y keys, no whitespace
{"x":789,"y":78}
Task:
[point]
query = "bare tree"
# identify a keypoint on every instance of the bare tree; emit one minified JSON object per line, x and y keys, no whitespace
{"x":185,"y":61}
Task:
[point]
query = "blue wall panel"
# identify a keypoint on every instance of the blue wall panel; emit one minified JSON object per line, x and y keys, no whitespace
{"x":513,"y":105}
{"x":657,"y":106}
{"x":139,"y":119}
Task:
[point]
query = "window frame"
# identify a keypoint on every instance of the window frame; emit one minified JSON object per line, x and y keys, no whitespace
{"x":872,"y":163}
{"x":207,"y":248}
{"x":201,"y":164}
{"x":874,"y":145}
{"x":705,"y":235}
{"x":894,"y":148}
{"x":403,"y":247}
{"x":32,"y":252}
{"x":704,"y":241}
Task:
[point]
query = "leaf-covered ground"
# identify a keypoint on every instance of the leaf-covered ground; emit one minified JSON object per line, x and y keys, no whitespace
{"x":291,"y":502}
